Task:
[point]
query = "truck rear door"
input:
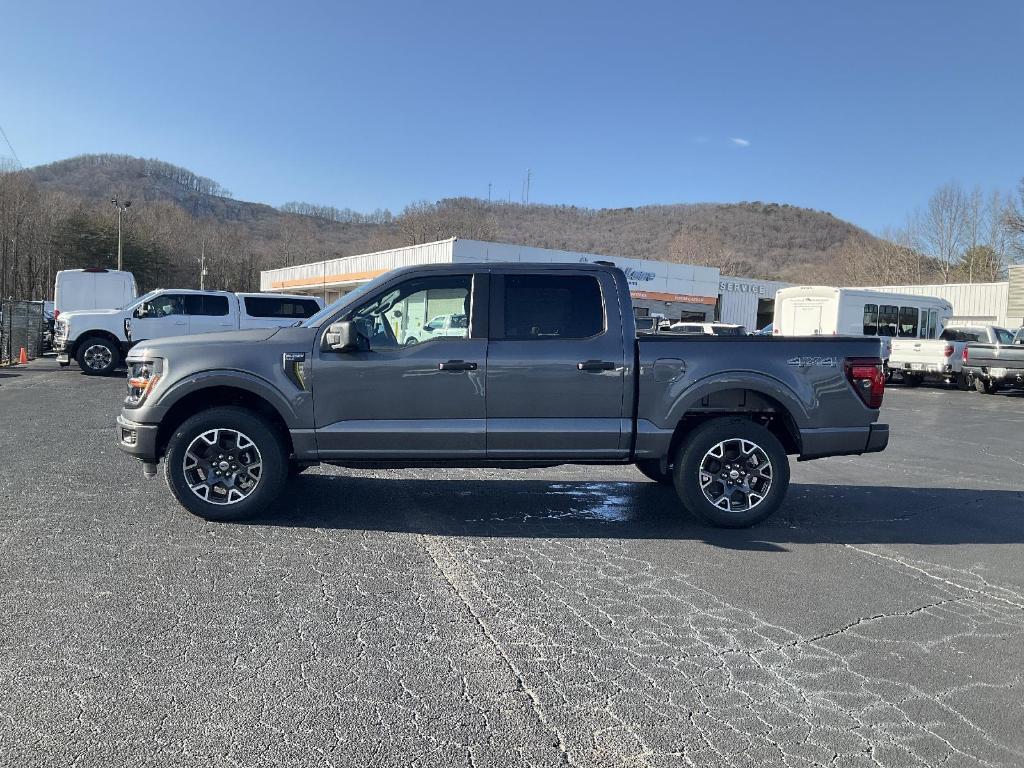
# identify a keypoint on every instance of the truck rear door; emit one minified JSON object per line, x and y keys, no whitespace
{"x":556,"y":366}
{"x":210,"y":313}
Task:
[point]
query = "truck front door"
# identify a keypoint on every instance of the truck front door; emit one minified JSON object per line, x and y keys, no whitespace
{"x":403,"y":401}
{"x":556,"y":367}
{"x":162,"y":316}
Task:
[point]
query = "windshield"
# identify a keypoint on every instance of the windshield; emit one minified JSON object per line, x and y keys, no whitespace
{"x":139,"y":299}
{"x":330,"y":309}
{"x":736,"y":330}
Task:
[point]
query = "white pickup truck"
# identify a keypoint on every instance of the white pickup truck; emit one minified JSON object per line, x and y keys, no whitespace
{"x":915,"y":360}
{"x":99,"y":339}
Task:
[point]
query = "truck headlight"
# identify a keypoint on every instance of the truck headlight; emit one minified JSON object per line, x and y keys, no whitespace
{"x":143,"y":376}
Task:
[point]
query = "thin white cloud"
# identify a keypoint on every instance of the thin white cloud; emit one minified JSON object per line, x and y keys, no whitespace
{"x":740,"y":142}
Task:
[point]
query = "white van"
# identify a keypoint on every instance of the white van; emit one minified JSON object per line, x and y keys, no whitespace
{"x":813,"y":310}
{"x":92,"y":289}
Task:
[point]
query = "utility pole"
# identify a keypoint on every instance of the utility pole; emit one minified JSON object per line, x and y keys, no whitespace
{"x":528,"y":173}
{"x":121,"y":208}
{"x":202,"y":267}
{"x":488,"y":191}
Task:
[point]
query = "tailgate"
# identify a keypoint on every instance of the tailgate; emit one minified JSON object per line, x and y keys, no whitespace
{"x":918,"y":352}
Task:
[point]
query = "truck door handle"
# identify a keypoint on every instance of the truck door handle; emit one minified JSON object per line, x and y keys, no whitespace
{"x":596,"y":365}
{"x":456,"y":365}
{"x":179,"y":322}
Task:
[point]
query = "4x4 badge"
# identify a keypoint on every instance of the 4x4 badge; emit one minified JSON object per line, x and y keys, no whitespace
{"x":812,"y":362}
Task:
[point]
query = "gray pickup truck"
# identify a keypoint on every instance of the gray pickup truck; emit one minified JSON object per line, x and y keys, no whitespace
{"x":995,"y":366}
{"x":549,"y":371}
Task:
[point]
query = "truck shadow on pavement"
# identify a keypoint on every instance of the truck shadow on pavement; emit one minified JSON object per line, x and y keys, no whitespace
{"x":645,"y":510}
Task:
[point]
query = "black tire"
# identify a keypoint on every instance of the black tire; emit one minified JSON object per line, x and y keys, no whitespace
{"x":695,"y":459}
{"x":652,"y":469}
{"x":273,"y":468}
{"x":98,"y":356}
{"x":963,"y":382}
{"x":411,"y":340}
{"x":912,"y":380}
{"x":985,"y":386}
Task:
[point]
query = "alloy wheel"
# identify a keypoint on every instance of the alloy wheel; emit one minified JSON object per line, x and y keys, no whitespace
{"x":222,"y":466}
{"x":98,"y":357}
{"x":735,"y":475}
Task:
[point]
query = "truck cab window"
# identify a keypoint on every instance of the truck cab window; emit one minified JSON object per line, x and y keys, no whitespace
{"x":1003,"y":336}
{"x":210,"y":306}
{"x":415,"y":311}
{"x":552,"y":307}
{"x":163,"y":306}
{"x":870,"y":319}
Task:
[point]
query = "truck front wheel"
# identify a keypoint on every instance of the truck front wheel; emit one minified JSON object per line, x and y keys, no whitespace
{"x":731,"y":472}
{"x":98,"y":356}
{"x":225,"y":464}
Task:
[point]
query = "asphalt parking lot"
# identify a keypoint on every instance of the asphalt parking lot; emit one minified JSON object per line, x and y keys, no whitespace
{"x":570,"y":616}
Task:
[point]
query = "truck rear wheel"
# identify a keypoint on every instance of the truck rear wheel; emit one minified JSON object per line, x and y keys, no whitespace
{"x":98,"y":356}
{"x":912,"y":379}
{"x":985,"y":386}
{"x":225,"y":464}
{"x":732,"y":473}
{"x":652,"y":469}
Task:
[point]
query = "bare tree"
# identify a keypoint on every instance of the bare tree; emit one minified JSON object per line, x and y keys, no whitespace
{"x":942,"y":227}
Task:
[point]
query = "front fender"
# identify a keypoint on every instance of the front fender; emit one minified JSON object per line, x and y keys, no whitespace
{"x":286,"y":408}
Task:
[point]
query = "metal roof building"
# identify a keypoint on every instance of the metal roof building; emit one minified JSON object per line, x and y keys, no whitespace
{"x":675,"y":290}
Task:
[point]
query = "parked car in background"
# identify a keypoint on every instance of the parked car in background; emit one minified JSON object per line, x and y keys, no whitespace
{"x":77,"y":289}
{"x":549,"y":371}
{"x":993,"y":366}
{"x":706,"y":329}
{"x":809,"y":310}
{"x":99,"y":339}
{"x":442,"y":325}
{"x":940,"y":359}
{"x":48,"y":322}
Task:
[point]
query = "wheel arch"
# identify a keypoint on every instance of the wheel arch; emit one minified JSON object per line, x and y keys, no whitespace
{"x":97,"y":333}
{"x":213,"y":395}
{"x":743,"y":403}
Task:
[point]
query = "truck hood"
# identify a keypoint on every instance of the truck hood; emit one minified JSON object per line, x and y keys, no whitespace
{"x":86,"y":313}
{"x":188,"y":344}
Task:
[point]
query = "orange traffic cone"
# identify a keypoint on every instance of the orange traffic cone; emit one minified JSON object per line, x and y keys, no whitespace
{"x":23,"y":357}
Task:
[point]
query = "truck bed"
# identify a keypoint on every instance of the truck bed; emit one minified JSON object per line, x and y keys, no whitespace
{"x":800,"y":382}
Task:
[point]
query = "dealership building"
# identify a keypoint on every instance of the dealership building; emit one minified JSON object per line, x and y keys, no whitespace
{"x":677,"y":291}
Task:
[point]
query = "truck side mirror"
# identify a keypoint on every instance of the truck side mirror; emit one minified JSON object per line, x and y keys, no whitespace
{"x":344,"y":337}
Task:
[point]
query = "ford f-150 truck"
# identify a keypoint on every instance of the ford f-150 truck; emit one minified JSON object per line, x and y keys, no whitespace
{"x":98,"y":339}
{"x":918,"y":359}
{"x":996,"y":366}
{"x":549,"y":371}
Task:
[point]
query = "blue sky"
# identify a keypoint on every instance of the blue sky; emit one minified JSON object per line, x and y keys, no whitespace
{"x":859,"y":108}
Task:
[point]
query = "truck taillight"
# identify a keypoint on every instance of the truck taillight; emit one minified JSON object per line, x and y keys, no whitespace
{"x":949,"y":350}
{"x":964,"y":356}
{"x":56,"y":314}
{"x":868,"y":378}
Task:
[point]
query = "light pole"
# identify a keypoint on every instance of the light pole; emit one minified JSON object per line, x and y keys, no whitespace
{"x":121,"y":208}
